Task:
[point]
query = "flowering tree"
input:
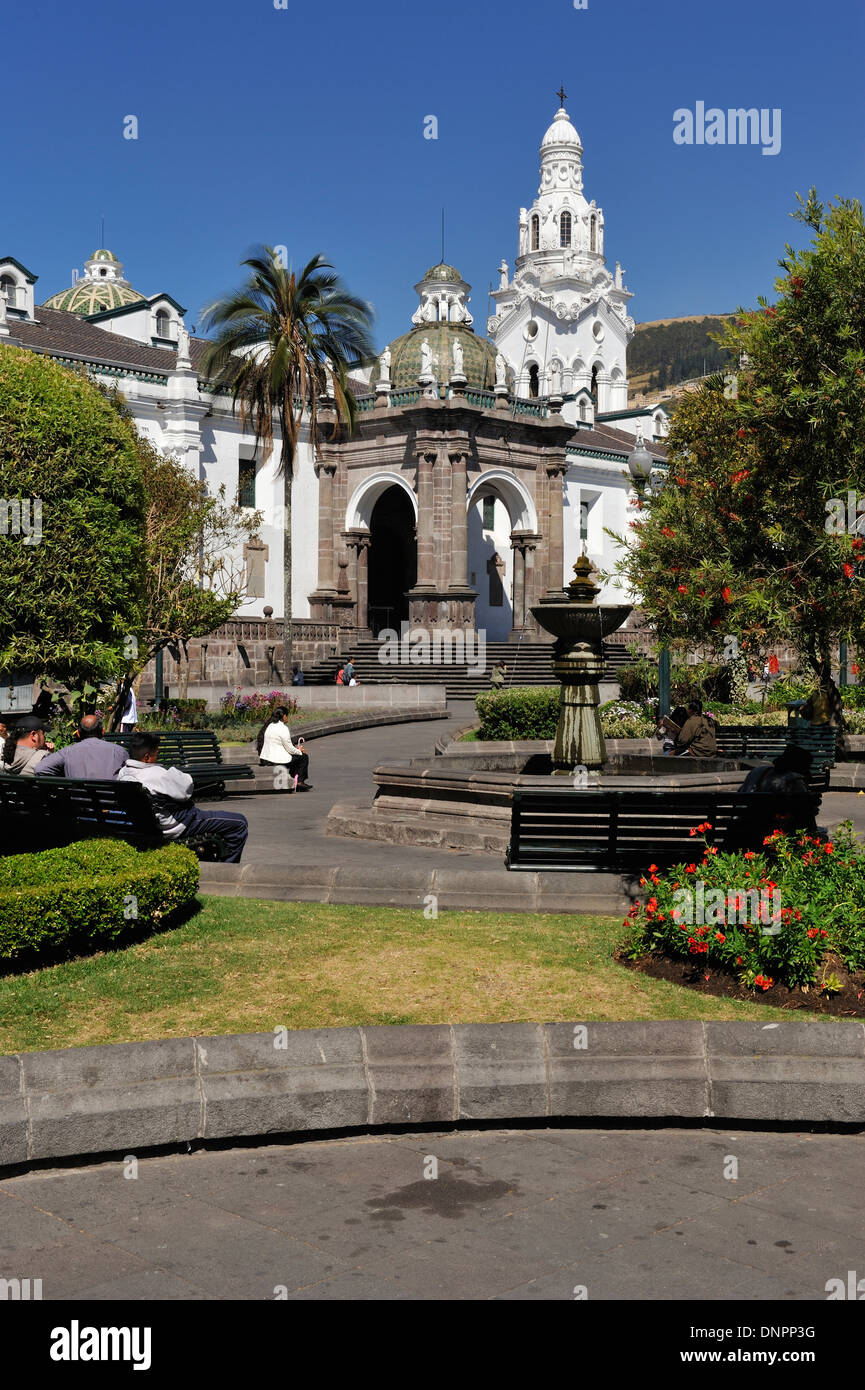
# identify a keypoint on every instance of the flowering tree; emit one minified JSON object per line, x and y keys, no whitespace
{"x":755,"y":535}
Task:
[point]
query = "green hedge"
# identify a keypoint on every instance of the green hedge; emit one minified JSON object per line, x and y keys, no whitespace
{"x":520,"y":713}
{"x":87,"y":894}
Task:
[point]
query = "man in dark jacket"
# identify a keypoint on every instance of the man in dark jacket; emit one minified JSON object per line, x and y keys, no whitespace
{"x":89,"y":756}
{"x":696,"y":736}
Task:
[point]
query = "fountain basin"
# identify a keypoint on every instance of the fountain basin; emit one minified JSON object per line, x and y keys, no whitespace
{"x":463,"y":799}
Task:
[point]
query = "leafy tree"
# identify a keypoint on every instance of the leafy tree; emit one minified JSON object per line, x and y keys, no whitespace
{"x":744,"y":540}
{"x":283,"y":347}
{"x":193,"y":580}
{"x":70,"y":471}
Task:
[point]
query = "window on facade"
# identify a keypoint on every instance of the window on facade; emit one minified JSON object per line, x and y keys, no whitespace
{"x":583,"y":415}
{"x":246,"y":483}
{"x":162,"y":324}
{"x":10,"y":289}
{"x":584,"y":521}
{"x":489,"y":513}
{"x":533,"y":380}
{"x":536,"y":233}
{"x":565,"y":229}
{"x":593,"y":234}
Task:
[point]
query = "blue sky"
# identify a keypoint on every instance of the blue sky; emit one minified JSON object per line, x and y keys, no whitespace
{"x":304,"y":127}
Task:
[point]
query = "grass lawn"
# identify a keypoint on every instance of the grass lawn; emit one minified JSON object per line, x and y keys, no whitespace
{"x":245,"y":966}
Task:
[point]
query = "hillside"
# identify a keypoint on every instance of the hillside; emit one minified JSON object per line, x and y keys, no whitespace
{"x":667,"y":351}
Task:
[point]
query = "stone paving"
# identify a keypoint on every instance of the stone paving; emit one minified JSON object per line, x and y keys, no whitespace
{"x":516,"y":1214}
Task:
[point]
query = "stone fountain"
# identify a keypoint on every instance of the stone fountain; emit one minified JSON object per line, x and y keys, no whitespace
{"x":462,"y":800}
{"x":579,"y":624}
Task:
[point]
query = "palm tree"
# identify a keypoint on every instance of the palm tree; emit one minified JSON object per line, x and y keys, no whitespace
{"x":283,"y":347}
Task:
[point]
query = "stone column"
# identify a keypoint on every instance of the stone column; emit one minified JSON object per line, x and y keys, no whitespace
{"x":459,"y":522}
{"x":426,"y":457}
{"x":363,"y":583}
{"x":555,"y":471}
{"x":442,"y":524}
{"x":530,"y":586}
{"x":326,"y":472}
{"x":519,"y":588}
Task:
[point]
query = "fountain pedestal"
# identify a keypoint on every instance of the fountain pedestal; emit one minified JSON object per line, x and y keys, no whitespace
{"x":579,"y":625}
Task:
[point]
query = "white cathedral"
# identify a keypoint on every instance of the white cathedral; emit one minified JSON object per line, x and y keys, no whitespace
{"x":480,"y":468}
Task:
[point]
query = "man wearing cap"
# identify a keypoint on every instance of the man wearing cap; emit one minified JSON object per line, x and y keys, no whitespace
{"x":26,"y":747}
{"x":89,"y":757}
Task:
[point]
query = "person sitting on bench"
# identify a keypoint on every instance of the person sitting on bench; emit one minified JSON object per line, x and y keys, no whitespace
{"x":170,"y":790}
{"x":89,"y":756}
{"x":696,"y":736}
{"x":781,"y":780}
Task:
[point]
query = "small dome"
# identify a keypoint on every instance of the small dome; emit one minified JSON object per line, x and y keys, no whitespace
{"x":479,"y":356}
{"x":561,"y":132}
{"x":444,"y":272}
{"x":102,"y":287}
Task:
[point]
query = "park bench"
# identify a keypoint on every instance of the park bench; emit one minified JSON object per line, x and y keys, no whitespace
{"x":600,"y":830}
{"x":747,"y":741}
{"x":46,"y":812}
{"x":197,"y":752}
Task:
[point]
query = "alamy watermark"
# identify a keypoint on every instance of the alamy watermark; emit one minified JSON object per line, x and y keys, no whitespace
{"x":440,"y":646}
{"x":739,"y":126}
{"x":846,"y":519}
{"x":21,"y":516}
{"x":731,"y":907}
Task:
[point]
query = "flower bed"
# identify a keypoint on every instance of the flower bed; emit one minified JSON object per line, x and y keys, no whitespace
{"x":790,"y":918}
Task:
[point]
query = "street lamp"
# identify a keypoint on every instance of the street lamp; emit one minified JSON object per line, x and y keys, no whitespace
{"x":640,"y":461}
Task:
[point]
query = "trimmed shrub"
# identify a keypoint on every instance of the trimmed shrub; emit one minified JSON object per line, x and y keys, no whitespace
{"x":524,"y":712}
{"x":90,"y":893}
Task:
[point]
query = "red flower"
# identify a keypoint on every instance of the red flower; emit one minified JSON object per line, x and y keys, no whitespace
{"x":740,"y":433}
{"x":690,"y":869}
{"x":665,"y":531}
{"x":749,"y":854}
{"x":738,"y":960}
{"x":653,"y":868}
{"x":683,"y":589}
{"x":813,"y":931}
{"x":719,"y":936}
{"x":829,"y":848}
{"x":726,"y":595}
{"x":848,"y":570}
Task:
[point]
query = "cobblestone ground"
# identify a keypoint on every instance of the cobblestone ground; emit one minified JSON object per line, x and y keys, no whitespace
{"x":518,"y":1214}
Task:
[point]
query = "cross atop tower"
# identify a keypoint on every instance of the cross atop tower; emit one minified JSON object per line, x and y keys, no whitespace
{"x":561,"y":94}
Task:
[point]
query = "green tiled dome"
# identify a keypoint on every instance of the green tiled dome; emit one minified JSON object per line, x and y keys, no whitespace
{"x":444,"y":272}
{"x":89,"y":297}
{"x":93,"y":294}
{"x":479,"y":356}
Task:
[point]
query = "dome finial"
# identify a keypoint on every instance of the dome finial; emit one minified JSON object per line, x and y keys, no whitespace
{"x":561,"y":94}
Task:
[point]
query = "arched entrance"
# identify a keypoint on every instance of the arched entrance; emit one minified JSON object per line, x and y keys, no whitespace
{"x":498,"y":505}
{"x":392,"y":559}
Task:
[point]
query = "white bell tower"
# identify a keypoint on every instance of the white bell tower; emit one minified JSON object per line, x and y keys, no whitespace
{"x":562,"y":322}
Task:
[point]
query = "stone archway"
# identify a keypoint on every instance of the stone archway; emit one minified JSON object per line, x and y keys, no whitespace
{"x":392,"y":560}
{"x":500,"y":511}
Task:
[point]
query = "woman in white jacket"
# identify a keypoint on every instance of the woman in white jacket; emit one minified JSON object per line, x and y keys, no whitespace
{"x":275,"y":749}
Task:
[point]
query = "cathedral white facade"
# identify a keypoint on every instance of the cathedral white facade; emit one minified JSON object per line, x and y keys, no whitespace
{"x":493,"y":460}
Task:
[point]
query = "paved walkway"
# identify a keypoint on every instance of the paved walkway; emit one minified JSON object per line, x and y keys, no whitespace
{"x":624,"y":1214}
{"x":291,"y":829}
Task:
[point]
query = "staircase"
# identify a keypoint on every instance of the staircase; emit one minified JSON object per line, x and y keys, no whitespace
{"x":528,"y":663}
